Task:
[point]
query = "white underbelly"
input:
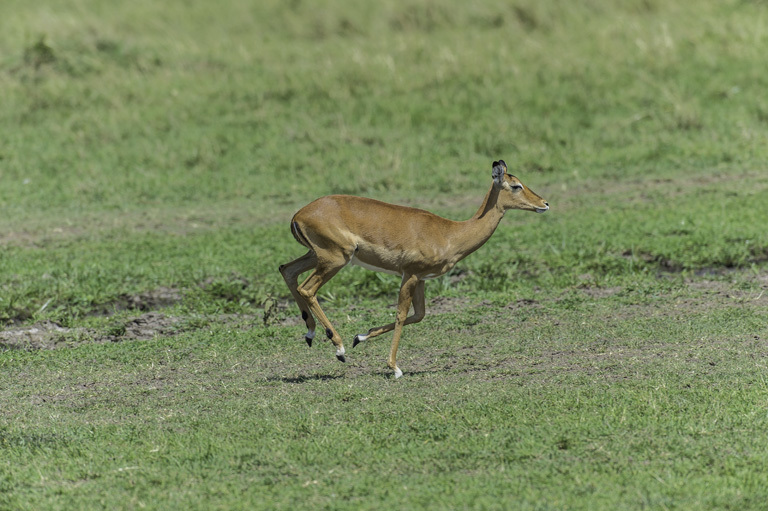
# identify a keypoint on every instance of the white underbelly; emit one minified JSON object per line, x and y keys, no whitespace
{"x":371,"y":267}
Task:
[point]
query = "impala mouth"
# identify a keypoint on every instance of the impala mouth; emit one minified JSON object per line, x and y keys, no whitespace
{"x":542,"y":210}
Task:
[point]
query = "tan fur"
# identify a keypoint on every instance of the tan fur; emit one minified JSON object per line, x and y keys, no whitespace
{"x":413,"y":243}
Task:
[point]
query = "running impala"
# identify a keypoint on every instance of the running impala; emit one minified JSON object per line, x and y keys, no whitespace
{"x":412,"y":243}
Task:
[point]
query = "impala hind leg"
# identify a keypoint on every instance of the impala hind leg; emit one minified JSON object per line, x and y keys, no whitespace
{"x":419,"y":308}
{"x":324,"y":271}
{"x":291,"y":272}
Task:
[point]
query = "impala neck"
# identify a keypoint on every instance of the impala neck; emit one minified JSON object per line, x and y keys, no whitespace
{"x":477,"y":230}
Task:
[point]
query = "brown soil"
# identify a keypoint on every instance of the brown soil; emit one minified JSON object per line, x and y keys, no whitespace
{"x":49,"y":335}
{"x":150,"y":324}
{"x":40,"y":335}
{"x":151,"y":300}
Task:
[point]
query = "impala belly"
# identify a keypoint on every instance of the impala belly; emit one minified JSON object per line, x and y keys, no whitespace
{"x":371,"y":267}
{"x":397,"y":261}
{"x":385,"y":259}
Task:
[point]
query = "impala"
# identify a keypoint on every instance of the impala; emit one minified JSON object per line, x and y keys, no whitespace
{"x":412,"y":243}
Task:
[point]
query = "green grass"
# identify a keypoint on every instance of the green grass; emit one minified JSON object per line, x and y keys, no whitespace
{"x":607,"y":355}
{"x":548,"y":415}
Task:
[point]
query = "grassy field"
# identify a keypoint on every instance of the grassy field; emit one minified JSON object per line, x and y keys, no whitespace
{"x":610,"y":354}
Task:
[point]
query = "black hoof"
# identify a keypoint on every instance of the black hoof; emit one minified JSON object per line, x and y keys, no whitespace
{"x":341,"y":358}
{"x":309,"y":341}
{"x":356,"y":341}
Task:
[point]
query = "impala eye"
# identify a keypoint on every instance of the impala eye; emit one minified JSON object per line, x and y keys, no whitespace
{"x":517,"y":187}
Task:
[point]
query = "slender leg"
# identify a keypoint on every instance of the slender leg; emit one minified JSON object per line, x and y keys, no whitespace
{"x":325,"y":270}
{"x":407,"y":290}
{"x":291,"y":272}
{"x":419,"y":307}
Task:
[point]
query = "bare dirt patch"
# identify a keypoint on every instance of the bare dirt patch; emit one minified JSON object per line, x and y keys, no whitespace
{"x":50,"y":335}
{"x":148,"y":326}
{"x":446,"y":305}
{"x":600,"y":292}
{"x":41,"y":335}
{"x":523,"y":304}
{"x":158,"y":298}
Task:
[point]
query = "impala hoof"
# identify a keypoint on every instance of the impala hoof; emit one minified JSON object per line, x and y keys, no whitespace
{"x":310,"y":335}
{"x":309,"y":341}
{"x":358,"y":339}
{"x":340,"y":354}
{"x":341,"y":358}
{"x":398,"y":373}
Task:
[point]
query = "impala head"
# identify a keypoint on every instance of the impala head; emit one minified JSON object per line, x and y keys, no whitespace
{"x":513,"y":194}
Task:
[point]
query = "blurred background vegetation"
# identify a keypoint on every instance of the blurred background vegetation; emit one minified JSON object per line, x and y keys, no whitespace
{"x":155,"y":144}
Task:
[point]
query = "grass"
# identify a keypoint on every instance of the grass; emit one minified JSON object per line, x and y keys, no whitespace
{"x":549,"y":414}
{"x":607,"y":355}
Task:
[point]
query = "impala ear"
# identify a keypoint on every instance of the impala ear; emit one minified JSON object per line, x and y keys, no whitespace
{"x":499,"y":168}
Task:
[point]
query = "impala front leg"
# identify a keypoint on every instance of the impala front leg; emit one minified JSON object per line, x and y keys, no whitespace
{"x":419,"y":308}
{"x":407,"y":289}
